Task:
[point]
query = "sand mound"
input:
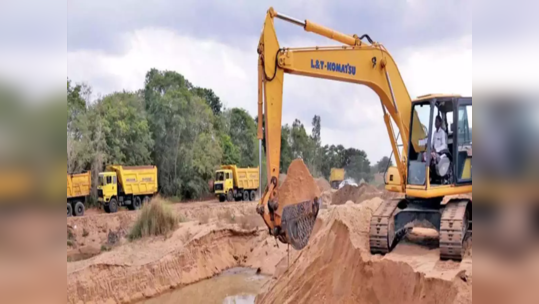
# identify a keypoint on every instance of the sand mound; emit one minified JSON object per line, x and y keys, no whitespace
{"x":299,"y":185}
{"x":336,"y":267}
{"x":323,"y":184}
{"x":357,"y":194}
{"x":282,"y":178}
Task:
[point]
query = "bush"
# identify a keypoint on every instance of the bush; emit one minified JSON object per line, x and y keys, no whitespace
{"x":156,"y":218}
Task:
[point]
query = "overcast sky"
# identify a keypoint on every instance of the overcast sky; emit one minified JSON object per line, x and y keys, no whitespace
{"x":112,"y":44}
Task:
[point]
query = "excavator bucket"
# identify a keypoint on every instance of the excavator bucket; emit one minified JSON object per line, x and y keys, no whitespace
{"x":298,"y":222}
{"x":290,"y":210}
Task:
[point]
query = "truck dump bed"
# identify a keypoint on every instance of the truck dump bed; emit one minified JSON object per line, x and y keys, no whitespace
{"x":245,"y":178}
{"x":336,"y":175}
{"x":140,"y":180}
{"x":79,"y":185}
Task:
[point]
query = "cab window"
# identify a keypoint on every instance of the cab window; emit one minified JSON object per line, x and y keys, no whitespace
{"x":228,"y":176}
{"x":109,"y":180}
{"x":220,"y":176}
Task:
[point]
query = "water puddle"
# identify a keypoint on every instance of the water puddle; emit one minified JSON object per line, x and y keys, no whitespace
{"x":234,"y":286}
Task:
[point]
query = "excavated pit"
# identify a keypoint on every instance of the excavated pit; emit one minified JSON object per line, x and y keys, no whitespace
{"x":335,"y":267}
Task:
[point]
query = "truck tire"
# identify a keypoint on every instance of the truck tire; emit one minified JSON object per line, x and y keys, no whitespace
{"x":137,"y":203}
{"x":253,"y":195}
{"x":222,"y":198}
{"x":69,"y":210}
{"x":230,"y":196}
{"x":146,"y":200}
{"x":113,"y":205}
{"x":79,"y":209}
{"x":245,"y":196}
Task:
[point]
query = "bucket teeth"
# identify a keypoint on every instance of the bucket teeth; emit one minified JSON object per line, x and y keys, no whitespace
{"x":298,"y":222}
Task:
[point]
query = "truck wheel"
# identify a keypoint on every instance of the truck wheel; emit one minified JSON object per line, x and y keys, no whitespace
{"x":245,"y":196}
{"x":69,"y":210}
{"x":230,"y":196}
{"x":222,"y":198}
{"x":79,"y":209}
{"x":253,"y":195}
{"x":113,"y":205}
{"x":146,"y":200}
{"x":137,"y":202}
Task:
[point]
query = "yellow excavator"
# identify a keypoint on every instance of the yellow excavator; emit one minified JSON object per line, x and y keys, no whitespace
{"x":433,"y":159}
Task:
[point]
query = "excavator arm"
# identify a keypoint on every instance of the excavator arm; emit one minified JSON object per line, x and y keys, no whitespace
{"x":357,"y":61}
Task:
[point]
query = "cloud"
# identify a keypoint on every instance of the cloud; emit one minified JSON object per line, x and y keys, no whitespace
{"x":33,"y":51}
{"x":101,"y":24}
{"x":351,"y":114}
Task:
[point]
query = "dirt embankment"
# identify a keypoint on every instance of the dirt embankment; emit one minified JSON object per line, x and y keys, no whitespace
{"x":89,"y":234}
{"x":358,"y":194}
{"x":145,"y":268}
{"x":337,"y":267}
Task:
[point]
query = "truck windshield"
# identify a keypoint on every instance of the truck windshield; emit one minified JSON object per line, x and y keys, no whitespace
{"x":220,"y":176}
{"x":101,"y":180}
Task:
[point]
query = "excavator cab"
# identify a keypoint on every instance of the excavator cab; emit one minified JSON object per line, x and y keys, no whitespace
{"x":440,"y":156}
{"x":439,"y":165}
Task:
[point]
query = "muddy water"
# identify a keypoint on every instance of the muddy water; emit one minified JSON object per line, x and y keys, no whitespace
{"x":237,"y":285}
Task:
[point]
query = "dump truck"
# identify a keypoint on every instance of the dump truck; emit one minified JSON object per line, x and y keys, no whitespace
{"x":131,"y":187}
{"x":336,"y":177}
{"x":236,"y":184}
{"x":78,"y":188}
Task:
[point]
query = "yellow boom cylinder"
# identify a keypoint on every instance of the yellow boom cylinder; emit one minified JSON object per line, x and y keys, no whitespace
{"x":329,"y":33}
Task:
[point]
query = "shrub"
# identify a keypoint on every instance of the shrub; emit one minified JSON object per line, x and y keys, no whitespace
{"x":155,"y":218}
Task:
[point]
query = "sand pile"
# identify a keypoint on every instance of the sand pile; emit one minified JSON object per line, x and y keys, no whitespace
{"x":326,"y":197}
{"x":299,"y":185}
{"x":336,"y":267}
{"x":323,"y":184}
{"x":357,"y":194}
{"x":282,"y":178}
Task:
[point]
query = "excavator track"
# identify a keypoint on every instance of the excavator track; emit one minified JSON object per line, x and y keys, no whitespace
{"x":453,"y":230}
{"x":382,"y":231}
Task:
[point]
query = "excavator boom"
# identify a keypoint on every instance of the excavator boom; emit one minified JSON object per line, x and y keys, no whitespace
{"x":367,"y":63}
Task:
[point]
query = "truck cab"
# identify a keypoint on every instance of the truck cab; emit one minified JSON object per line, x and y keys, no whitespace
{"x":107,"y":187}
{"x":224,"y":182}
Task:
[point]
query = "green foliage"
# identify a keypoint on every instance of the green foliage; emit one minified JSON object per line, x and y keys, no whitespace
{"x":125,"y":129}
{"x":242,"y":131}
{"x":185,"y":150}
{"x":231,"y":154}
{"x":185,"y":131}
{"x":382,"y":165}
{"x":211,"y":99}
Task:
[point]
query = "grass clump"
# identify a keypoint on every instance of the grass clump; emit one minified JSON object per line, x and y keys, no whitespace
{"x":155,"y":218}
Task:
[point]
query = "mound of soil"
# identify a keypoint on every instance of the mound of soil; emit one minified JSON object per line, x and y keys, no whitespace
{"x":282,"y":178}
{"x":323,"y":184}
{"x":337,"y":267}
{"x":357,"y":194}
{"x":299,"y":185}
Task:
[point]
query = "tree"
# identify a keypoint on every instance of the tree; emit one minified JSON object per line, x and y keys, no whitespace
{"x":187,"y":148}
{"x":125,"y":129}
{"x":382,"y":165}
{"x":356,"y":165}
{"x":231,"y":154}
{"x":211,"y":99}
{"x":243,"y":133}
